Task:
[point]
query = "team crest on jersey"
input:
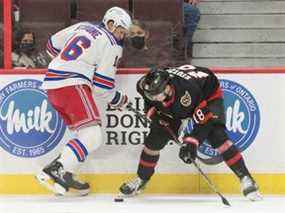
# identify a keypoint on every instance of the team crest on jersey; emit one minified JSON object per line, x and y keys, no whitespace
{"x":185,"y":100}
{"x":242,"y":120}
{"x":29,"y":126}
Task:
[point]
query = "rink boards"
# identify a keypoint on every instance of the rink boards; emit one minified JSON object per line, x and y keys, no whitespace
{"x":32,"y":134}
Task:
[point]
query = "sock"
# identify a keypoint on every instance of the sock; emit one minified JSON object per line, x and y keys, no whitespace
{"x":147,"y":165}
{"x":233,"y":159}
{"x":72,"y":155}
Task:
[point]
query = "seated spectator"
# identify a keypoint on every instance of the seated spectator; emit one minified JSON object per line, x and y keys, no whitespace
{"x":163,"y":45}
{"x":148,"y":47}
{"x":25,"y":54}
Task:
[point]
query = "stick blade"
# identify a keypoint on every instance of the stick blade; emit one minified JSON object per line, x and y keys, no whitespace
{"x":225,"y":201}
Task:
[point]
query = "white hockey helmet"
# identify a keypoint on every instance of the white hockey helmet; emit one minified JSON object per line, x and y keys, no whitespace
{"x":119,"y":16}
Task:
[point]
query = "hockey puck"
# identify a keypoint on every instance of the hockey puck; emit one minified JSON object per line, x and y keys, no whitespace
{"x":118,"y":199}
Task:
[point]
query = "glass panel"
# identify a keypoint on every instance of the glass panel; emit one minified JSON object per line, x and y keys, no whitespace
{"x":34,"y":21}
{"x":166,"y":42}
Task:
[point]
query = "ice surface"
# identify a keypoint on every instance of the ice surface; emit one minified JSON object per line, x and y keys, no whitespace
{"x":141,"y":204}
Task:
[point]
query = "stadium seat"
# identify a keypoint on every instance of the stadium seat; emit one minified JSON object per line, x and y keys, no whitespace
{"x":45,"y":11}
{"x":159,"y":10}
{"x":95,"y":10}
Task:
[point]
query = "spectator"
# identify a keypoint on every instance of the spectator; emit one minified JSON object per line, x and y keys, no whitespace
{"x":145,"y":47}
{"x":165,"y":48}
{"x":25,"y":54}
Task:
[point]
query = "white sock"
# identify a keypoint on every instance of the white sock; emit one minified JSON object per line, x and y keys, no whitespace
{"x":68,"y":160}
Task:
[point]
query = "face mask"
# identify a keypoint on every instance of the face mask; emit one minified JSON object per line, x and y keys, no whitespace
{"x":27,"y":47}
{"x":138,"y":42}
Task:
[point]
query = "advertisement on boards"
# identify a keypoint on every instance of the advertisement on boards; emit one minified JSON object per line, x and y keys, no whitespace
{"x":32,"y":133}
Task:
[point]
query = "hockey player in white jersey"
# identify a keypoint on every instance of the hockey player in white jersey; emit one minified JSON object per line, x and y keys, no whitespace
{"x":85,"y":61}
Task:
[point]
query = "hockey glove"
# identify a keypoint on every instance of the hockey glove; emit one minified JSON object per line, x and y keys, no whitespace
{"x":188,"y":150}
{"x":119,"y":102}
{"x":202,"y":114}
{"x":155,"y":115}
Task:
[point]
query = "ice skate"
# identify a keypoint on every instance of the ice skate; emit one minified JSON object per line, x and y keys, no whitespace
{"x":133,"y":187}
{"x":249,"y":189}
{"x":55,"y":179}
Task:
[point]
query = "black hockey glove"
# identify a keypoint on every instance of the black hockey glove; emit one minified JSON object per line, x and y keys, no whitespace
{"x":188,"y":150}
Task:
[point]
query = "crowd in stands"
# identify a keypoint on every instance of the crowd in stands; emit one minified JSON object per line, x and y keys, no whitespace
{"x":170,"y":26}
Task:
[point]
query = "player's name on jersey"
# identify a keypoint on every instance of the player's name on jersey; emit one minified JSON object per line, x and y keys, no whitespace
{"x":179,"y":73}
{"x":188,"y":75}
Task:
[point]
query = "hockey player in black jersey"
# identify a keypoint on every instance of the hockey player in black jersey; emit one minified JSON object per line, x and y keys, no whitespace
{"x":187,"y":92}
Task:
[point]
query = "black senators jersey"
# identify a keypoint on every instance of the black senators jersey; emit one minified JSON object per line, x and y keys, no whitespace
{"x":191,"y":85}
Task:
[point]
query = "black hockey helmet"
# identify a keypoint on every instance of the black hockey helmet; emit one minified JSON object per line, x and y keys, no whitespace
{"x":155,"y":82}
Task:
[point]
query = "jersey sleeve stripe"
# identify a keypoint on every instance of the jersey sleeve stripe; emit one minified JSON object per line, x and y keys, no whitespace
{"x":50,"y":51}
{"x":103,"y":81}
{"x":102,"y":86}
{"x":103,"y":77}
{"x":53,"y":51}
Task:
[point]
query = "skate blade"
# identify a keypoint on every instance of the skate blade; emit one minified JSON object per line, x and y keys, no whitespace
{"x":123,"y":196}
{"x":75,"y":192}
{"x":254,"y":196}
{"x":48,"y":183}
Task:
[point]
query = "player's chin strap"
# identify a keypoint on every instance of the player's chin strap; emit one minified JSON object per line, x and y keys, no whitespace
{"x":176,"y":140}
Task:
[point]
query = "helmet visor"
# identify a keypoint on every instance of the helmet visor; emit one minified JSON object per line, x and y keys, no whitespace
{"x":156,"y":95}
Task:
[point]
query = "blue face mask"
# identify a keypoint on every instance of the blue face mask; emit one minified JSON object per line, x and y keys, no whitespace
{"x":27,"y":47}
{"x":138,"y":42}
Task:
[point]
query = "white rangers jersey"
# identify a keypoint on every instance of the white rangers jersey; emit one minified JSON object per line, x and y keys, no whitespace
{"x":83,"y":53}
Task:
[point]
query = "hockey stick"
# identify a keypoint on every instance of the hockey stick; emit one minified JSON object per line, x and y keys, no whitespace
{"x":176,"y":140}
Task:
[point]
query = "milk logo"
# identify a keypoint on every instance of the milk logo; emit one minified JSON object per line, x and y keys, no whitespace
{"x":29,"y":126}
{"x":242,"y":119}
